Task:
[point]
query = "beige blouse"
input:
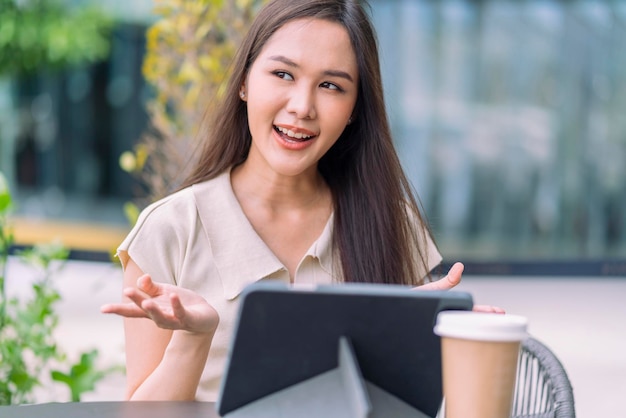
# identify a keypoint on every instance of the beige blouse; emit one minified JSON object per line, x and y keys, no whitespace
{"x":199,"y":238}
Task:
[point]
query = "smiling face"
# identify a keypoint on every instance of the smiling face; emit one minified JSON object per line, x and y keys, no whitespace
{"x":300,"y":93}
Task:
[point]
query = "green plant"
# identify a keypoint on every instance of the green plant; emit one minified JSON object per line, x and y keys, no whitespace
{"x":47,"y":33}
{"x":82,"y":376}
{"x":37,"y":36}
{"x":28,"y":349}
{"x":188,"y":53}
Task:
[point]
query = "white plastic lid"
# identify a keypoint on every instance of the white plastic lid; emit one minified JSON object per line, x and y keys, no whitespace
{"x":481,"y":326}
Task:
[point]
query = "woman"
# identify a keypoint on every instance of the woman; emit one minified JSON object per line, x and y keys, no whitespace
{"x":298,"y":181}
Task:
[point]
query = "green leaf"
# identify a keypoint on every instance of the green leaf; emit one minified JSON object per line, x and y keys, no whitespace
{"x":82,"y":377}
{"x":42,"y":254}
{"x":5,"y":195}
{"x":132,"y":212}
{"x":50,"y":33}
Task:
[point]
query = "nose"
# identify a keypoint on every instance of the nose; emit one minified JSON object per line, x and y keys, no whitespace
{"x":302,"y":102}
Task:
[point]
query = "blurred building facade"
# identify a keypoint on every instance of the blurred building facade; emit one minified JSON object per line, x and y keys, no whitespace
{"x":508,"y":115}
{"x":509,"y":118}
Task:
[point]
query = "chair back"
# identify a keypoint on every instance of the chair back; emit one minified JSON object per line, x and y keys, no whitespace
{"x":543,"y":389}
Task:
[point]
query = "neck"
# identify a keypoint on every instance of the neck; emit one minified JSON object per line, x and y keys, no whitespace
{"x":279,"y":192}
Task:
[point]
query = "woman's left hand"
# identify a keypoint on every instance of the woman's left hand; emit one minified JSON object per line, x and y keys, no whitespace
{"x":449,"y":281}
{"x":452,"y":279}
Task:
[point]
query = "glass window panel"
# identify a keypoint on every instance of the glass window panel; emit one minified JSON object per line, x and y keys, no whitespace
{"x":509,"y":119}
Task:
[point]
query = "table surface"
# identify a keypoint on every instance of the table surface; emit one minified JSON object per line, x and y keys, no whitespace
{"x":135,"y":409}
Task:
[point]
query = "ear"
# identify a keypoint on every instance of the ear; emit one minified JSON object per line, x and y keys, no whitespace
{"x":243,"y":90}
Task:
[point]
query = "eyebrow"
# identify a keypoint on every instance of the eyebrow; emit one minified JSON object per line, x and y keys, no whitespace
{"x":331,"y":73}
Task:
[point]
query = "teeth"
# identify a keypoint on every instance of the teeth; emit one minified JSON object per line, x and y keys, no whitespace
{"x":292,"y":134}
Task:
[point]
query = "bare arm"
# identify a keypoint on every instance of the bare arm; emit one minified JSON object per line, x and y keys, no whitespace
{"x":168,"y":333}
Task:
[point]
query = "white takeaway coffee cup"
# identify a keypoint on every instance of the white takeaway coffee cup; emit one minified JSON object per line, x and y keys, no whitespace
{"x":479,"y":354}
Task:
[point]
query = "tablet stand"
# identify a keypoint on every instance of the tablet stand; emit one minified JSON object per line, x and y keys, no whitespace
{"x":341,"y":392}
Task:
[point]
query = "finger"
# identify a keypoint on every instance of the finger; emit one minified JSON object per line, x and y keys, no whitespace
{"x":455,"y":273}
{"x":135,"y":295}
{"x":178,"y":309}
{"x":128,"y":310}
{"x":164,"y":318}
{"x":145,"y":284}
{"x":452,"y":279}
{"x":488,"y":309}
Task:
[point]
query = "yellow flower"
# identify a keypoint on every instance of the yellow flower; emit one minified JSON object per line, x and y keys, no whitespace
{"x":128,"y":162}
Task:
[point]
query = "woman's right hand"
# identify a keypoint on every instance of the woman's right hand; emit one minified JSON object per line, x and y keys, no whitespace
{"x":170,"y":307}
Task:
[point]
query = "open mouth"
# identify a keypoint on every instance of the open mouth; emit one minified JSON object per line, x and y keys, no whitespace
{"x":289,"y":135}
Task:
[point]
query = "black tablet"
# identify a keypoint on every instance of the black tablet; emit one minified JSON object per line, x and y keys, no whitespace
{"x":285,"y":335}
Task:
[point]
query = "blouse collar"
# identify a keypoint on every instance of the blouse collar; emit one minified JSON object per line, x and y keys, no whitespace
{"x":241,"y":256}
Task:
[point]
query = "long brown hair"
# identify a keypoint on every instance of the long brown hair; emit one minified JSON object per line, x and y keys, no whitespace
{"x":378,"y":228}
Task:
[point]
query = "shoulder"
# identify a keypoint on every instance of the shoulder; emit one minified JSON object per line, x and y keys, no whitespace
{"x":159,"y":226}
{"x":166,"y":228}
{"x":181,"y":208}
{"x":174,"y":217}
{"x":166,"y":206}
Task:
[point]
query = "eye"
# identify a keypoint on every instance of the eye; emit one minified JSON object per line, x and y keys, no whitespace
{"x":330,"y":86}
{"x":284,"y":75}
